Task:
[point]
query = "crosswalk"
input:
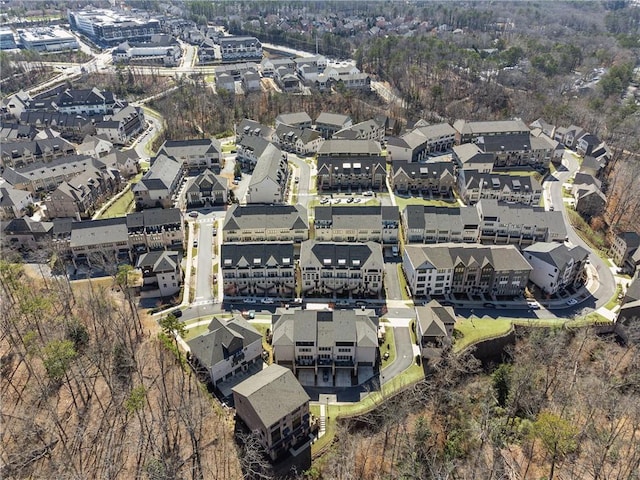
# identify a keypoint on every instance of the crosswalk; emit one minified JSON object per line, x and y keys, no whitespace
{"x":210,"y":301}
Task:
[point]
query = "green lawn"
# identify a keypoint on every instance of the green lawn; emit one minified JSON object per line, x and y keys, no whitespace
{"x":596,"y":240}
{"x":389,"y":340}
{"x":473,"y":330}
{"x":402,"y":282}
{"x":611,"y":304}
{"x":262,"y":328}
{"x":227,"y":147}
{"x":404,"y":201}
{"x":125,"y":204}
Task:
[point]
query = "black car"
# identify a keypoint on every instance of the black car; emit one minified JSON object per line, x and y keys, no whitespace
{"x":177,"y":313}
{"x":488,"y":305}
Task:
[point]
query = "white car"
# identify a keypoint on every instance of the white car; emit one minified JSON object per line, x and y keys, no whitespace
{"x":533,"y":305}
{"x":572,"y":301}
{"x":268,"y":301}
{"x":250,"y":300}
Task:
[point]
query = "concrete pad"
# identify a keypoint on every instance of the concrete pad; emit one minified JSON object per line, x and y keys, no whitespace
{"x":307,"y":378}
{"x":364,"y":374}
{"x":343,"y":377}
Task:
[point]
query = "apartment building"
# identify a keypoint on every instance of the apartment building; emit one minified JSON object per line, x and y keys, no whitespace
{"x":208,"y":188}
{"x":161,"y":273}
{"x":417,"y":144}
{"x":263,"y":269}
{"x":367,"y":130}
{"x":625,"y":249}
{"x":556,"y":266}
{"x":196,"y":155}
{"x":270,"y":177}
{"x":123,"y":125}
{"x":436,"y":270}
{"x":357,"y":224}
{"x":330,"y":123}
{"x":335,"y":269}
{"x":423,"y":178}
{"x":326,"y":344}
{"x":240,"y":49}
{"x":158,"y":187}
{"x":266,"y":223}
{"x":431,"y":224}
{"x":434,"y":328}
{"x":466,"y":131}
{"x":474,"y":186}
{"x":155,"y":229}
{"x":273,"y":404}
{"x":351,"y":165}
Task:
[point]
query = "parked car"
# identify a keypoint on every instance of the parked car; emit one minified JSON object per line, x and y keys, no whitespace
{"x":533,"y":305}
{"x":215,"y":231}
{"x":572,"y":301}
{"x":489,"y":305}
{"x":177,"y":313}
{"x":250,"y":300}
{"x":368,"y":193}
{"x":342,"y":303}
{"x":268,"y":301}
{"x":193,"y":214}
{"x":350,"y":200}
{"x":195,"y":243}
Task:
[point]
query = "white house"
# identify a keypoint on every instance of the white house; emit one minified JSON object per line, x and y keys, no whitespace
{"x":268,"y":182}
{"x":161,"y":273}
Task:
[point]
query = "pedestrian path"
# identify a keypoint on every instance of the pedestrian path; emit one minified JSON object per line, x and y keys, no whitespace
{"x":323,"y":420}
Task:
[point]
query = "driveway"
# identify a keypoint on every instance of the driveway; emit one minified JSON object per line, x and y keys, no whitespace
{"x":391,"y":281}
{"x":303,"y":171}
{"x":204,"y":268}
{"x":553,"y":185}
{"x":404,"y":354}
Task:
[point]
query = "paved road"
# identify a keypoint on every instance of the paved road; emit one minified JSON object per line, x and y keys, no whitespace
{"x":607,"y":284}
{"x":404,"y":354}
{"x":303,"y":171}
{"x":391,"y":280}
{"x":204,"y":269}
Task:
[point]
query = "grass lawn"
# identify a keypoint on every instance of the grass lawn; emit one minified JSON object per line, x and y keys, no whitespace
{"x":227,"y":147}
{"x":389,"y":340}
{"x":595,"y":240}
{"x":614,"y":300}
{"x":404,"y":201}
{"x":262,"y":328}
{"x":590,"y":319}
{"x":402,"y":281}
{"x":125,"y":204}
{"x":473,"y":330}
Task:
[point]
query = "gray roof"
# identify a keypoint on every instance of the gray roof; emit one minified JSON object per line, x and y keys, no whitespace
{"x":359,"y":130}
{"x":448,"y":255}
{"x":631,"y":239}
{"x":234,"y":254}
{"x":441,"y":218}
{"x":434,"y":318}
{"x":429,"y":170}
{"x":270,"y":164}
{"x":498,"y":181}
{"x":37,"y":147}
{"x":340,"y":254}
{"x":483,"y":128}
{"x":350,"y":147}
{"x":363,"y":217}
{"x":251,"y":127}
{"x":516,"y":214}
{"x":633,"y":292}
{"x":10,"y":197}
{"x":161,"y":174}
{"x":69,"y":165}
{"x":256,"y":144}
{"x":505,"y":142}
{"x":160,"y":261}
{"x":297,"y":118}
{"x":586,"y":179}
{"x":333,"y":119}
{"x":250,"y":217}
{"x":26,"y":225}
{"x":557,"y":254}
{"x":201,"y":146}
{"x":224,"y":338}
{"x":325,"y":328}
{"x":97,"y":232}
{"x":154,"y":217}
{"x":206,"y":179}
{"x":272,"y":393}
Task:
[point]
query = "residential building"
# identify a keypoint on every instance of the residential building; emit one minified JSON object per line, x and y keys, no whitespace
{"x":268,"y":66}
{"x":7,"y":39}
{"x":519,"y":224}
{"x":586,"y":144}
{"x":357,"y":224}
{"x":287,"y":80}
{"x":431,"y":224}
{"x":469,"y":131}
{"x":14,"y":202}
{"x":155,"y":229}
{"x":46,"y":176}
{"x":517,"y":150}
{"x":592,"y":166}
{"x":351,"y":165}
{"x":329,"y":123}
{"x":474,"y":186}
{"x":110,"y":27}
{"x":367,"y":130}
{"x":468,"y":156}
{"x":159,"y":49}
{"x":17,"y":154}
{"x":161,"y":273}
{"x":196,"y":155}
{"x":336,"y":269}
{"x":10,"y":132}
{"x":237,"y":48}
{"x":437,"y":270}
{"x":297,"y":119}
{"x":100,"y":243}
{"x":544,"y":127}
{"x":251,"y":81}
{"x":434,"y":324}
{"x":589,"y":200}
{"x":423,"y":178}
{"x":270,"y":177}
{"x":80,"y":196}
{"x":47,"y":39}
{"x":122,"y":126}
{"x":250,"y":128}
{"x":342,"y":76}
{"x":556,"y":266}
{"x":249,"y":149}
{"x":301,"y":141}
{"x":126,"y":162}
{"x":625,"y":250}
{"x":571,"y":136}
{"x":208,"y":188}
{"x":160,"y":184}
{"x":71,"y":126}
{"x":274,"y":406}
{"x":26,"y":234}
{"x":266,"y":223}
{"x":224,"y":81}
{"x":417,"y":144}
{"x":95,"y":147}
{"x":87,"y":101}
{"x":264,"y":269}
{"x":228,"y":348}
{"x":336,"y":342}
{"x":305,"y":65}
{"x":629,"y":313}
